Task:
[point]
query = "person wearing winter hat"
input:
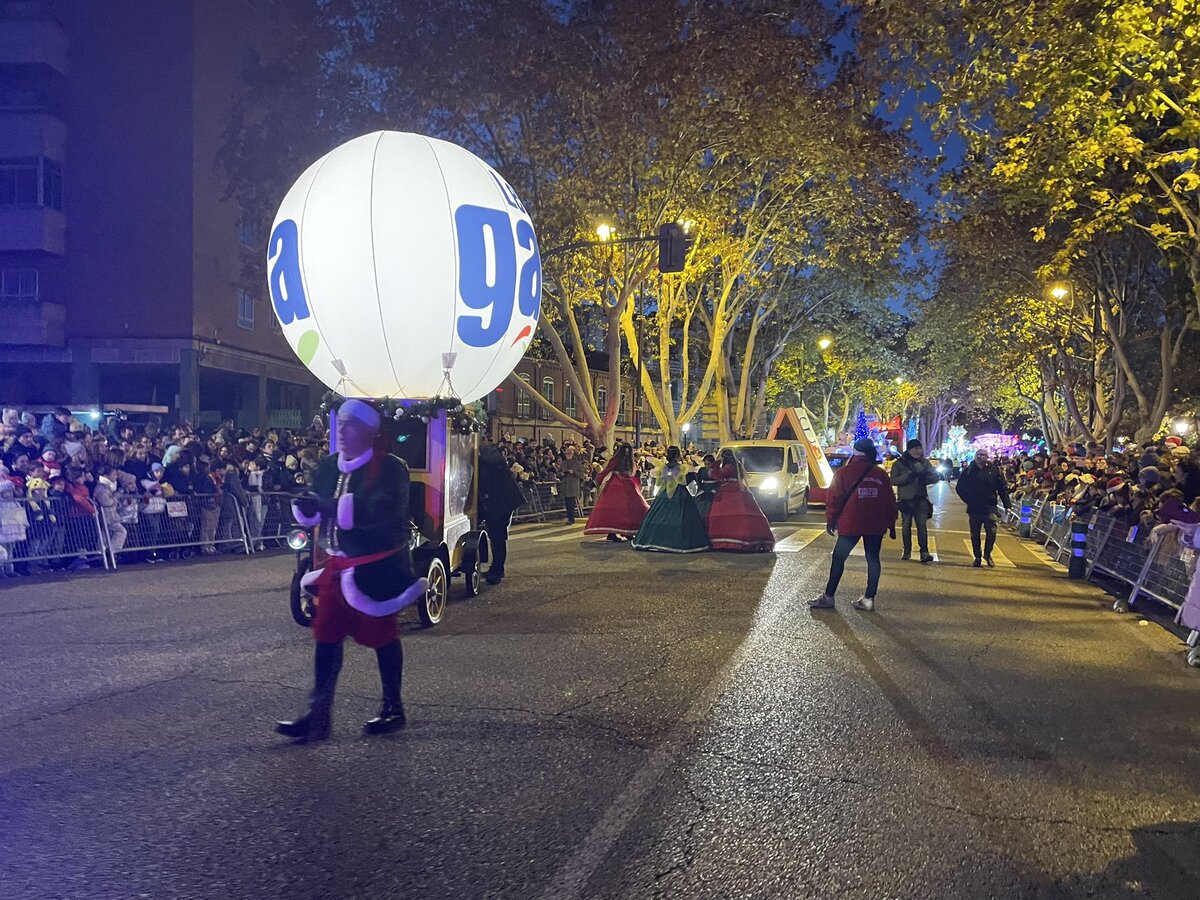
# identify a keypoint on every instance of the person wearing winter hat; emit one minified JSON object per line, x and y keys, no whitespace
{"x":911,"y":476}
{"x":361,"y":496}
{"x":50,"y":461}
{"x":860,"y":506}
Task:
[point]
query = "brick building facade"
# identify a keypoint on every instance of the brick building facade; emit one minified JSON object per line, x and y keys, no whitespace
{"x":512,"y":411}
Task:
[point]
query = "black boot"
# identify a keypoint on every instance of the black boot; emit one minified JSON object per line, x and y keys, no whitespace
{"x":391,"y":718}
{"x":316,"y":724}
{"x":391,"y":712}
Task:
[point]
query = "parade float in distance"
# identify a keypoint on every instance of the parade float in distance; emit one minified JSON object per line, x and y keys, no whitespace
{"x":405,"y":270}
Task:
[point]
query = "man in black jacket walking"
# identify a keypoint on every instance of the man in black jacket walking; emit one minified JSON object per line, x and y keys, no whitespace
{"x":981,"y":487}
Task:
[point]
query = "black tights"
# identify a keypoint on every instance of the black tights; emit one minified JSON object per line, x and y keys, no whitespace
{"x":872,"y":543}
{"x":328,"y":664}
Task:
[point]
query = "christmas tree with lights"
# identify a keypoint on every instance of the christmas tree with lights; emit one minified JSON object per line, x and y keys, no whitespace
{"x":861,"y":428}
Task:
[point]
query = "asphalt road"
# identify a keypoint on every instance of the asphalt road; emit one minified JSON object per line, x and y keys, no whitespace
{"x":606,"y":724}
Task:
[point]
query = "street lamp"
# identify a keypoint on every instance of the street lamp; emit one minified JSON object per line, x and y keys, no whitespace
{"x":1181,"y":426}
{"x":1060,"y":290}
{"x":605,"y":231}
{"x":825,"y":343}
{"x":899,"y":379}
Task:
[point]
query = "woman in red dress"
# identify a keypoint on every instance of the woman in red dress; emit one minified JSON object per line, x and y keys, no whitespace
{"x":620,"y":508}
{"x":735,"y":521}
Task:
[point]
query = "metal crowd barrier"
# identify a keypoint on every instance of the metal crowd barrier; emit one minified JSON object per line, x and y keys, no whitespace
{"x":542,"y":498}
{"x":1058,"y":531}
{"x":51,"y":532}
{"x":181,"y":526}
{"x":270,"y":519}
{"x":1150,"y":562}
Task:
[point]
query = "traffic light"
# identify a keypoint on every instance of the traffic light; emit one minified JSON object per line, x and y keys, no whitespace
{"x":673,"y":244}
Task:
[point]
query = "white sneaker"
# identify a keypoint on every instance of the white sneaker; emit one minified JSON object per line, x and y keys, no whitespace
{"x":824,"y":601}
{"x":866,"y":604}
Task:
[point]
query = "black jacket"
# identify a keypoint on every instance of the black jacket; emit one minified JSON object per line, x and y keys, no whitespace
{"x":380,"y":521}
{"x":980,"y":487}
{"x":499,"y":494}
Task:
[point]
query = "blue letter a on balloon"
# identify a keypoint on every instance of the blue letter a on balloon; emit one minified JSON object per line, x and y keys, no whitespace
{"x":287,"y":288}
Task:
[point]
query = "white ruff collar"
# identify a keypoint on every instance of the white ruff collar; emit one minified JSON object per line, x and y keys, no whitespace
{"x":351,"y":465}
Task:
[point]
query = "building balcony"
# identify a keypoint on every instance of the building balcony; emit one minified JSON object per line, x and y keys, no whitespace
{"x":31,"y":134}
{"x":38,"y":43}
{"x":35,"y":322}
{"x":36,"y":228}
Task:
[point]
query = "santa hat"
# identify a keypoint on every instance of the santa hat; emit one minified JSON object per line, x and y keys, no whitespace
{"x":364,"y":412}
{"x":1114,"y":484}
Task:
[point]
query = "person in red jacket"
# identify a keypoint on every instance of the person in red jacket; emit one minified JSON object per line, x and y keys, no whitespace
{"x":862,"y":505}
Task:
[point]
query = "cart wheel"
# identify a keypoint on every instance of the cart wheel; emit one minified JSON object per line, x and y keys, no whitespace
{"x":432,"y":607}
{"x":475,"y":571}
{"x":303,"y":607}
{"x":1194,"y":657}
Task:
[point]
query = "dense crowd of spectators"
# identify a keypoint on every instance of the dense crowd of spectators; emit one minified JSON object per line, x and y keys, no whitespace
{"x":545,"y":463}
{"x":57,"y":468}
{"x":1143,"y":485}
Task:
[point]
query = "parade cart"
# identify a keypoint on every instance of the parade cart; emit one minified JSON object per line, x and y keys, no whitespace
{"x":448,"y":540}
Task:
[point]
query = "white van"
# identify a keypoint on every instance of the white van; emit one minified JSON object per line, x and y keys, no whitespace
{"x":777,"y":473}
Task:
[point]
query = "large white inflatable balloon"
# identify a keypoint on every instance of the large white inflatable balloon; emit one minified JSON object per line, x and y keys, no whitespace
{"x":395,"y":249}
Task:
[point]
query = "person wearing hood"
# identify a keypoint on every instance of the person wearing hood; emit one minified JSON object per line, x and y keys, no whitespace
{"x":55,"y":424}
{"x":14,"y":524}
{"x":105,"y":496}
{"x":861,"y":506}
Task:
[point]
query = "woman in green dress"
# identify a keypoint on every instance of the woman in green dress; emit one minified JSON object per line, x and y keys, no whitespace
{"x":673,"y":524}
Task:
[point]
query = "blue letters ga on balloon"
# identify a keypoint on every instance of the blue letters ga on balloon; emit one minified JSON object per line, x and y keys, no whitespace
{"x":478,"y":227}
{"x":287,"y":288}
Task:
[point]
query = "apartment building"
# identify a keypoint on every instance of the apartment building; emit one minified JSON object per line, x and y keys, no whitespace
{"x":122,"y":258}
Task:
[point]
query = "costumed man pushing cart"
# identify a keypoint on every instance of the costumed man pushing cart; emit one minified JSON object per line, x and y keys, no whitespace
{"x":361,"y":502}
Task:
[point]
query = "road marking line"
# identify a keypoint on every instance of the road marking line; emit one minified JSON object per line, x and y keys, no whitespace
{"x":1046,"y":560}
{"x":575,"y":534}
{"x":537,"y":532}
{"x":998,"y":557}
{"x":798,"y":540}
{"x":859,"y":550}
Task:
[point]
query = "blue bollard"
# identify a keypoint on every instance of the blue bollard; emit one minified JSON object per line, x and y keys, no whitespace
{"x":1078,"y":565}
{"x":1025,"y":529}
